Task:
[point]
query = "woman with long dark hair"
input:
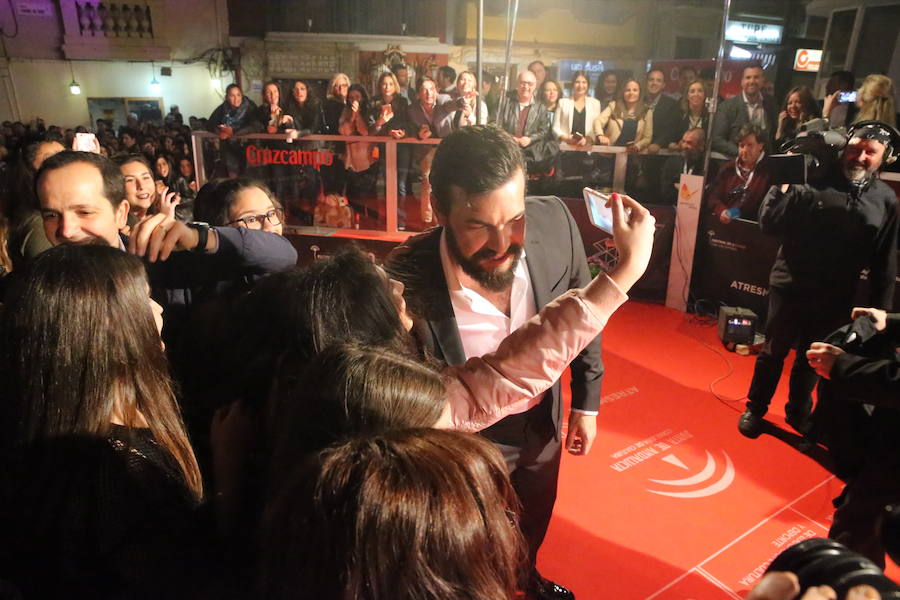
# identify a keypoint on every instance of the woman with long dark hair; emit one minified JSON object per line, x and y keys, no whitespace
{"x":304,"y":107}
{"x":239,"y":202}
{"x":627,"y":121}
{"x":607,"y":88}
{"x":574,"y":121}
{"x":99,"y":482}
{"x":415,"y":513}
{"x":359,"y":157}
{"x":388,"y":117}
{"x":799,"y":107}
{"x":235,"y":116}
{"x":26,"y":228}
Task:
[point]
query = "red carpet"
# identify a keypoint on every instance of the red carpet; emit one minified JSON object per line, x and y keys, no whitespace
{"x":672,"y":502}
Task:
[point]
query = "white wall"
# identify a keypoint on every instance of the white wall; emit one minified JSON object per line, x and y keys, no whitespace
{"x":42,"y":88}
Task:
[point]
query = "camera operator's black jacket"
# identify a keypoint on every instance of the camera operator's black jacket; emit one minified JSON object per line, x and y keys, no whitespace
{"x":877,"y":381}
{"x":829,"y":236}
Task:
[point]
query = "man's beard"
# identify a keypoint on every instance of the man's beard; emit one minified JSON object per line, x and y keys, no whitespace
{"x":856,"y":172}
{"x":494,"y":281}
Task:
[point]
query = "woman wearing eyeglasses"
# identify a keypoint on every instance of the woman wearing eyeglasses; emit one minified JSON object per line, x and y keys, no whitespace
{"x":240,"y":202}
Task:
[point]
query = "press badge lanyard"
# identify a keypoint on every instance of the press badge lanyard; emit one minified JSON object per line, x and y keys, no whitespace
{"x":749,"y":178}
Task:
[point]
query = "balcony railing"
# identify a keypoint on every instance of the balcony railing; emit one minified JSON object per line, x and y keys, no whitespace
{"x":114,"y":30}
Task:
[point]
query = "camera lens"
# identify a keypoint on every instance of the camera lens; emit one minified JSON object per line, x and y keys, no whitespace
{"x":820,"y":561}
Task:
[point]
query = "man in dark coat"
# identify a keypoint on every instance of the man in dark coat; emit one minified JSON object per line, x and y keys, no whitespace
{"x":526,"y":119}
{"x":750,"y":106}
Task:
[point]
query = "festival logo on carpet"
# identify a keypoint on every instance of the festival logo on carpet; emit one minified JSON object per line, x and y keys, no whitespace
{"x":716,"y":475}
{"x":706,"y":475}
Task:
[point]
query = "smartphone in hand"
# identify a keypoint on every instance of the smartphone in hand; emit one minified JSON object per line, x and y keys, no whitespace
{"x":600,"y":215}
{"x":86,"y":142}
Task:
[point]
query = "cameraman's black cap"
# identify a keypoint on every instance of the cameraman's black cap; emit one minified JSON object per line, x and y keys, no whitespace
{"x":880,"y":132}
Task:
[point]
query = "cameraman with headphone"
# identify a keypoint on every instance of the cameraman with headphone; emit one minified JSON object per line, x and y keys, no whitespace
{"x":830,"y":231}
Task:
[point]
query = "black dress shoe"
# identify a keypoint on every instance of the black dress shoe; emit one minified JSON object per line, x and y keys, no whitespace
{"x":801,"y":423}
{"x":750,"y":425}
{"x":540,"y":588}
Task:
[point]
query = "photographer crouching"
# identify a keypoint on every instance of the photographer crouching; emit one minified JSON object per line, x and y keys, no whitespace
{"x":830,"y":229}
{"x":866,"y":448}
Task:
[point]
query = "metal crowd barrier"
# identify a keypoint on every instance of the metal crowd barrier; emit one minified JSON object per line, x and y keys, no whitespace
{"x":391,"y":231}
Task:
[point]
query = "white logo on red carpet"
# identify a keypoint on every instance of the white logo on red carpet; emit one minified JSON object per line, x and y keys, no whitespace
{"x":706,"y":475}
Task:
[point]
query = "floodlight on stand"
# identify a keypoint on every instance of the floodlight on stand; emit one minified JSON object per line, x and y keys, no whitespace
{"x":74,"y":88}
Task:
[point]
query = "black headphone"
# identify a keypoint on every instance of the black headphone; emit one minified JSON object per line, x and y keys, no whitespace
{"x":890,"y":148}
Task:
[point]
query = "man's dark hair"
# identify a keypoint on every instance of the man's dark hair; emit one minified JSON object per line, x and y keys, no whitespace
{"x":753,"y":64}
{"x":448,"y":73}
{"x":421,"y":81}
{"x":113,"y":182}
{"x":656,"y":70}
{"x":536,"y":62}
{"x":398,"y":67}
{"x":752,"y":129}
{"x":475,"y":159}
{"x":840,"y":80}
{"x":215,"y":198}
{"x":130,"y":158}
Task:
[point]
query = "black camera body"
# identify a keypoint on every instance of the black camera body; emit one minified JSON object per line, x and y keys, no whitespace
{"x":809,"y":156}
{"x":820,"y":561}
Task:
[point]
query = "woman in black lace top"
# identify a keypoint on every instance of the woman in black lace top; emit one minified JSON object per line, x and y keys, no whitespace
{"x":98,"y":481}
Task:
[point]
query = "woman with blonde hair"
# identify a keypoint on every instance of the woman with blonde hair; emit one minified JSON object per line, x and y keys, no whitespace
{"x":333,"y":175}
{"x":876,"y":100}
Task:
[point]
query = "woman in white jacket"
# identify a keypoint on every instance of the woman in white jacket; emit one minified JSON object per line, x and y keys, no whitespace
{"x":575,"y":116}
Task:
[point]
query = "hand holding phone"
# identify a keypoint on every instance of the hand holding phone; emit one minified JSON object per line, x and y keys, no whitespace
{"x":847,"y":96}
{"x":599,"y":213}
{"x":86,"y":142}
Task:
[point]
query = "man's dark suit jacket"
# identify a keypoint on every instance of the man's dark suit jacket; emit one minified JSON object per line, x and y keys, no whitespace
{"x":731,"y":116}
{"x":556,"y":263}
{"x":666,"y":121}
{"x":541,"y":152}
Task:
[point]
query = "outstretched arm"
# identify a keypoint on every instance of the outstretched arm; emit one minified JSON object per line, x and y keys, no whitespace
{"x":512,"y":379}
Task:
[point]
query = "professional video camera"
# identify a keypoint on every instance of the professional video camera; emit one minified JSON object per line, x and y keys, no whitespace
{"x":820,"y":561}
{"x":809,"y":156}
{"x":816,"y":149}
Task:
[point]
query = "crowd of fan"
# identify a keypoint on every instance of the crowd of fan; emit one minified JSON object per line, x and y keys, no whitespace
{"x":302,"y":445}
{"x":630,"y":112}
